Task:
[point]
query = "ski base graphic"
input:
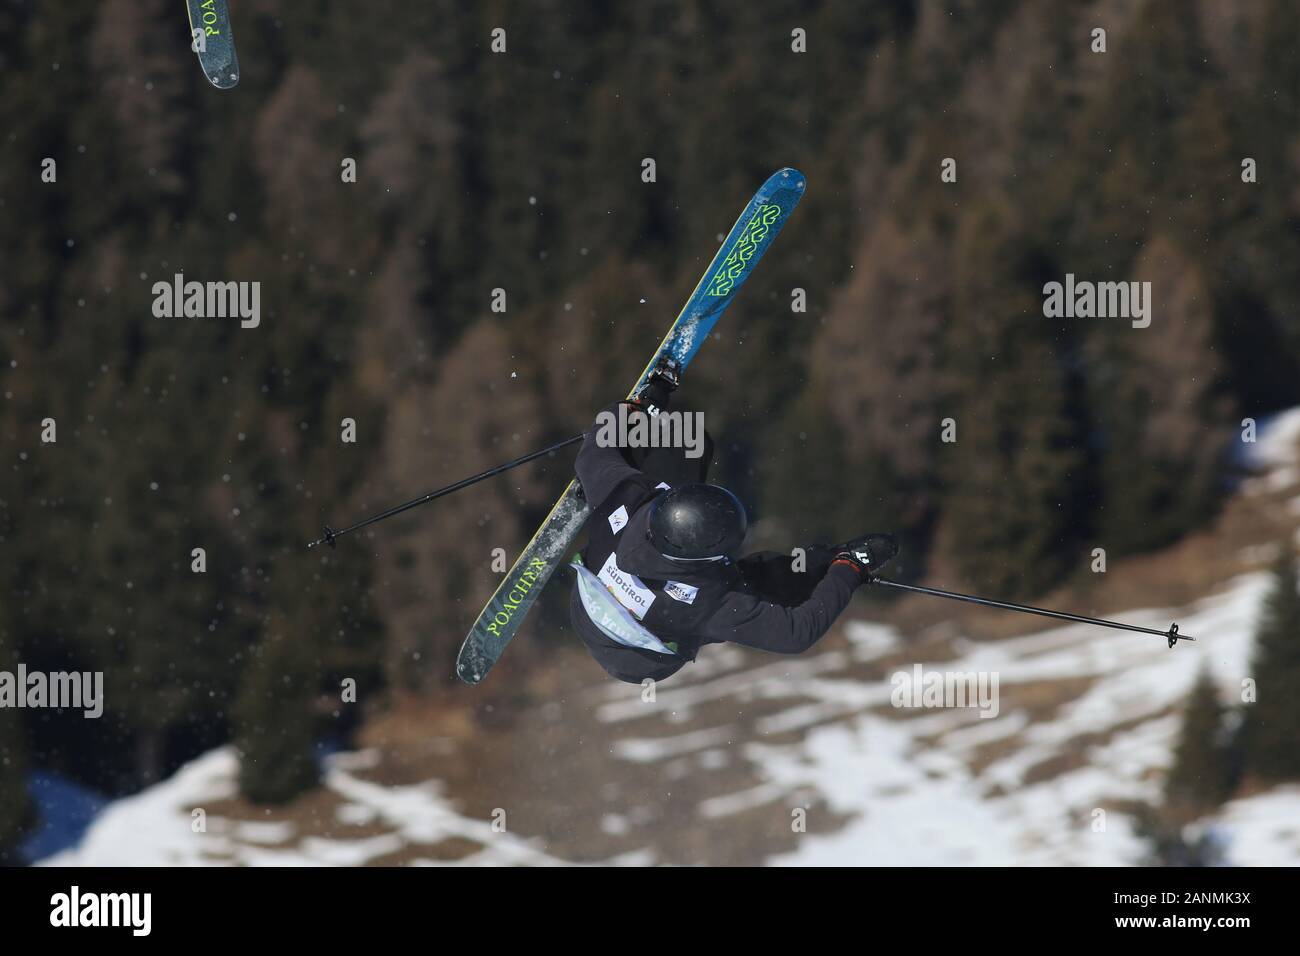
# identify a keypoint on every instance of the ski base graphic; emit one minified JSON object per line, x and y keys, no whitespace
{"x":210,"y":23}
{"x":759,"y":224}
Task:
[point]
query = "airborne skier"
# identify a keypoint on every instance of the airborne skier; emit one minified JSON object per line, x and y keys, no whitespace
{"x":760,"y":221}
{"x":659,"y":578}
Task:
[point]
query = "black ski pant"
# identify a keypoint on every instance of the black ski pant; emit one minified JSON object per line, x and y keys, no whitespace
{"x":671,"y":464}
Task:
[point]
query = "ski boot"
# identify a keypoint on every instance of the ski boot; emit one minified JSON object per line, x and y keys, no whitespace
{"x":664,"y":377}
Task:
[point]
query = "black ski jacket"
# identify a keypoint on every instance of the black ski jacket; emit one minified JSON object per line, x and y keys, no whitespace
{"x":757,"y":601}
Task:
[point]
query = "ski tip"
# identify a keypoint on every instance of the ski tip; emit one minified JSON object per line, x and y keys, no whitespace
{"x":790,"y":173}
{"x":467,"y":674}
{"x":472,"y":664}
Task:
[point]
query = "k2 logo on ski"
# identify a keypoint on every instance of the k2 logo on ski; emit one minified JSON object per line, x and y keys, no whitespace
{"x":738,"y":259}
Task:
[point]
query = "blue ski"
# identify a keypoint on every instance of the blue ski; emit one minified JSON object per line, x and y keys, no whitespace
{"x":749,"y":238}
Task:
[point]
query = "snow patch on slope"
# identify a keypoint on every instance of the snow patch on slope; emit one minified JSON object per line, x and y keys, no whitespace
{"x":154,"y":827}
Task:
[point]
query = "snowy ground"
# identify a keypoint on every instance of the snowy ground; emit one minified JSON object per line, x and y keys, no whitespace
{"x":913,"y":797}
{"x":158,"y":826}
{"x":1084,"y":730}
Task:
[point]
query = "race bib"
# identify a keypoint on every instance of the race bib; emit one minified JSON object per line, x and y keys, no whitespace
{"x":629,"y":590}
{"x":681,"y":592}
{"x":611,"y":618}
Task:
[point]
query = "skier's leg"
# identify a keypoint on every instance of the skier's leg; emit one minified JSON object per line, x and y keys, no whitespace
{"x":672,"y":465}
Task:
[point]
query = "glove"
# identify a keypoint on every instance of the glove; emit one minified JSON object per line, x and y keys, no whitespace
{"x":868,"y":554}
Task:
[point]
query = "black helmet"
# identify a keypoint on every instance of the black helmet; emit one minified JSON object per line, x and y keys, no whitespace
{"x":695,"y":522}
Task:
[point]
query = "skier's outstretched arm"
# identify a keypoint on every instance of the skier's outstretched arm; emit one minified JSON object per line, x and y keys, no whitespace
{"x":746,"y":618}
{"x":601,"y":469}
{"x":773,"y":572}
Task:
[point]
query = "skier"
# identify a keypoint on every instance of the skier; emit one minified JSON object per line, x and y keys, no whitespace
{"x":659,"y":579}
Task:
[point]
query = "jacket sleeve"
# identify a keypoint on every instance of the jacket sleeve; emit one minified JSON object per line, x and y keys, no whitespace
{"x":747,"y":618}
{"x":601,"y":470}
{"x":772,"y":572}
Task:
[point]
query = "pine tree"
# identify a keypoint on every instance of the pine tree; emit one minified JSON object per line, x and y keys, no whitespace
{"x":1272,"y":725}
{"x":15,"y":804}
{"x":1163,"y":430}
{"x":1172,"y":843}
{"x":274,"y":717}
{"x":1013,"y":474}
{"x":806,"y":490}
{"x":1201,"y":777}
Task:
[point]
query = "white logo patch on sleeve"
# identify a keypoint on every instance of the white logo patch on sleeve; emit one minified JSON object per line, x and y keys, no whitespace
{"x":628,"y":588}
{"x":618,"y":519}
{"x":681,"y":592}
{"x":664,"y":485}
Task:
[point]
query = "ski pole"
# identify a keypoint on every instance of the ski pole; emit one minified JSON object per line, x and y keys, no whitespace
{"x":331,"y":535}
{"x":1171,"y":635}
